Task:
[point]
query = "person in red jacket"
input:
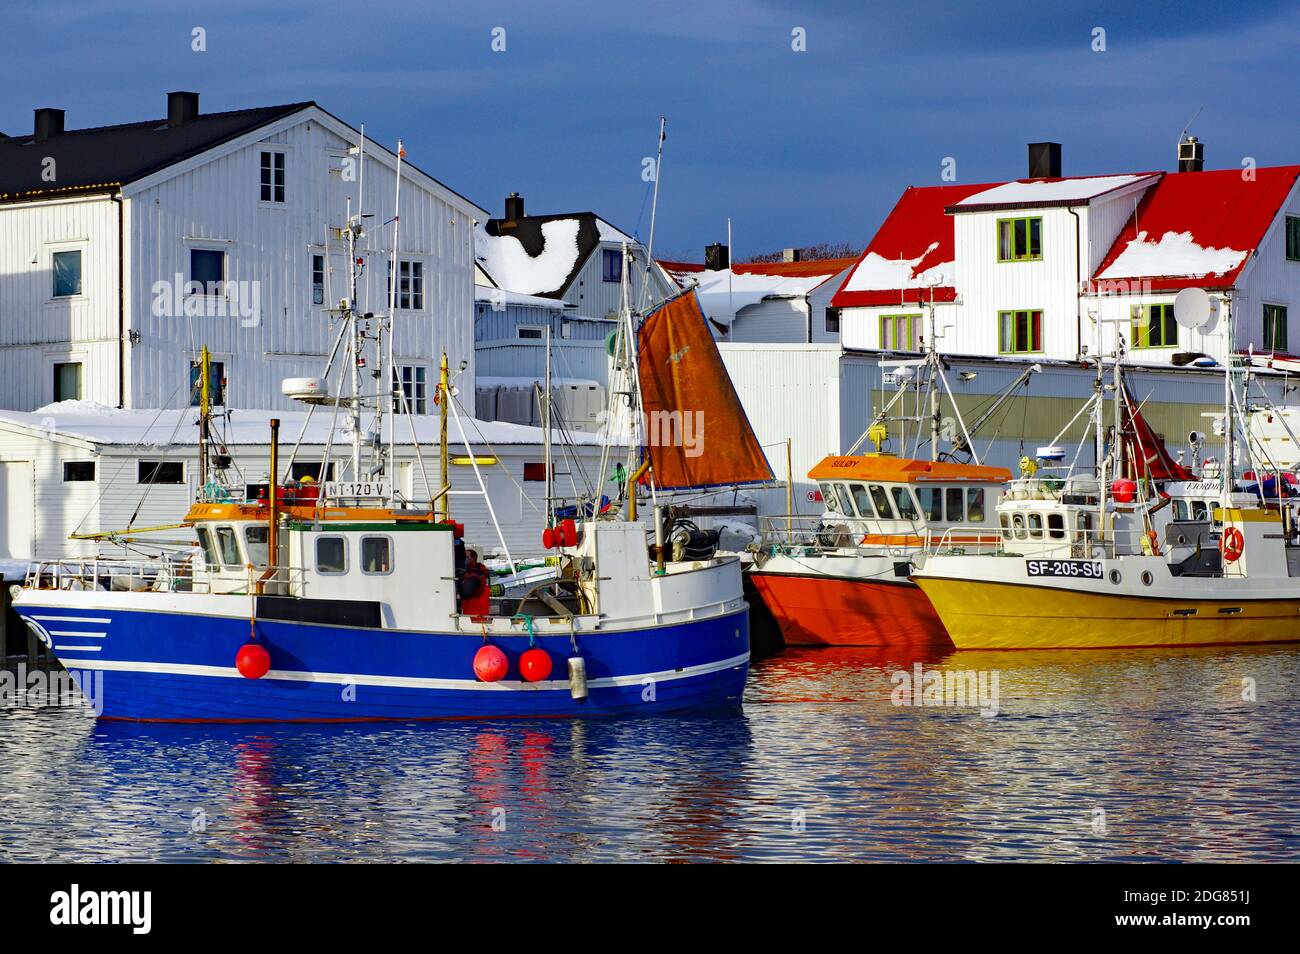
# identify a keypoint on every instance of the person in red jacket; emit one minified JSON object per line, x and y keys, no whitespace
{"x":475,"y":589}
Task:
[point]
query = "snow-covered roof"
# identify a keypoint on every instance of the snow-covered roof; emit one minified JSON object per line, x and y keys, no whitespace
{"x":523,"y":381}
{"x":100,"y":424}
{"x":1030,"y":193}
{"x":489,"y":295}
{"x":1197,"y":228}
{"x":541,"y":254}
{"x":725,"y":292}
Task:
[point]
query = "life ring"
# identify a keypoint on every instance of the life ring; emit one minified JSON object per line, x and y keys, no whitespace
{"x":1233,"y":544}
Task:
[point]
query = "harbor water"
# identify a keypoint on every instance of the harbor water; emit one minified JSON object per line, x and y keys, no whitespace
{"x":1158,"y":755}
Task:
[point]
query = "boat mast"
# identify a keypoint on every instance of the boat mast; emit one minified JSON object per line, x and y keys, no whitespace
{"x":444,"y":398}
{"x":394,"y":384}
{"x":205,"y":413}
{"x":933,"y":360}
{"x":1225,"y":475}
{"x":546,"y":426}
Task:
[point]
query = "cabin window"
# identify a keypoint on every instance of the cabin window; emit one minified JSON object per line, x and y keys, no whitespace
{"x":1293,"y":238}
{"x":1020,"y":240}
{"x":905,"y":504}
{"x":830,"y":498}
{"x":1154,"y":326}
{"x":1200,"y":510}
{"x":208,"y":270}
{"x":228,"y":546}
{"x":160,"y":472}
{"x":1085,"y":526}
{"x":331,"y":555}
{"x":256,"y":542}
{"x":1056,"y":526}
{"x":953,"y":500}
{"x":612,"y":265}
{"x":209,"y":551}
{"x":1005,"y":520}
{"x":78,"y":470}
{"x":880,"y":497}
{"x":862,"y":500}
{"x":1018,"y":525}
{"x":900,"y":332}
{"x":1275,"y":328}
{"x":67,"y":381}
{"x":318,"y":279}
{"x":216,"y":383}
{"x":1034,"y":522}
{"x":410,"y":284}
{"x":413,"y":382}
{"x":931,"y":499}
{"x":1020,"y":332}
{"x":975,"y":504}
{"x":272,"y":178}
{"x":67,"y":273}
{"x":376,"y":555}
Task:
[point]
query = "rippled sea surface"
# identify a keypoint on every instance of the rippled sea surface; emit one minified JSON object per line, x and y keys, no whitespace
{"x":1091,"y":756}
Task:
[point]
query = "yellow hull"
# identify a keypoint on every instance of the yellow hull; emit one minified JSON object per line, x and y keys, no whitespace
{"x":985,"y":615}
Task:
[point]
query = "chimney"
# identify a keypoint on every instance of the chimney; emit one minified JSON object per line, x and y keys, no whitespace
{"x":790,"y":255}
{"x":717,"y":257}
{"x":49,"y":123}
{"x":1191,"y":155}
{"x":514,"y":207}
{"x":182,"y":108}
{"x":1044,"y":160}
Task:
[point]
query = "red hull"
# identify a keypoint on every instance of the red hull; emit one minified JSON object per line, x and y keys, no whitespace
{"x":830,"y":611}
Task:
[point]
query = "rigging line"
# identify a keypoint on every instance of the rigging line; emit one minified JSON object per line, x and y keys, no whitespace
{"x":488,"y":444}
{"x":400,"y":390}
{"x":487,"y":499}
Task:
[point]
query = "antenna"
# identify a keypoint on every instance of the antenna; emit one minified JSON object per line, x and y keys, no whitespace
{"x":654,"y":209}
{"x":1183,"y":134}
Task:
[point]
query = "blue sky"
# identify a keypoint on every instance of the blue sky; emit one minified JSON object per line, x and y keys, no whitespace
{"x":797,"y":147}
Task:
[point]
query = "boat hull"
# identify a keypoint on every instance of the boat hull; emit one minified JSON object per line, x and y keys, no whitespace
{"x":980,"y":614}
{"x":170,"y":667}
{"x":825,"y":610}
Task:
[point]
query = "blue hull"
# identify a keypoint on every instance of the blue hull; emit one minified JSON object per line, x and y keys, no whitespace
{"x":180,"y":668}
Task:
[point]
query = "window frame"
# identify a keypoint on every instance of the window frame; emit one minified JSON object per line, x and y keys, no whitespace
{"x":220,"y":542}
{"x":1002,"y":331}
{"x":1028,"y":256}
{"x":206,"y":288}
{"x":1271,"y":312}
{"x":608,"y":256}
{"x":158,"y":463}
{"x":1140,"y":317}
{"x":1291,"y":238}
{"x":220,"y":380}
{"x":913,"y":331}
{"x":316,"y":564}
{"x":266,"y":183}
{"x":831,"y":320}
{"x":411,"y":287}
{"x":248,"y":544}
{"x":417,"y":394}
{"x":58,"y":363}
{"x":361,"y":557}
{"x":80,"y":291}
{"x":94,"y":472}
{"x":317,"y":288}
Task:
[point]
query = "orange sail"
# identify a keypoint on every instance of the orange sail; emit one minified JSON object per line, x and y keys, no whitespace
{"x":694,"y":426}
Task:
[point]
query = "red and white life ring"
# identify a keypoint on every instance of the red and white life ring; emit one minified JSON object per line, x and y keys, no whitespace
{"x":1233,"y":544}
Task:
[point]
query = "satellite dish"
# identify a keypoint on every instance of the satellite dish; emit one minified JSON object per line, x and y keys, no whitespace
{"x":1192,"y":308}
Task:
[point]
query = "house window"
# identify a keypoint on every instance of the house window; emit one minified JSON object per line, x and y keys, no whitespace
{"x":216,"y":383}
{"x":67,"y":381}
{"x":832,"y":321}
{"x":318,"y":279}
{"x":331,"y":555}
{"x":1020,"y":332}
{"x":376,"y":555}
{"x":529,"y":332}
{"x":410,"y":284}
{"x":535,"y":470}
{"x":899,"y":332}
{"x":160,"y":472}
{"x":1293,"y":238}
{"x":208,"y":269}
{"x":1020,"y":240}
{"x":1154,"y":326}
{"x":612,"y":265}
{"x":272,"y":177}
{"x":413,"y":382}
{"x":1275,"y":328}
{"x":75,"y":471}
{"x":67,"y":273}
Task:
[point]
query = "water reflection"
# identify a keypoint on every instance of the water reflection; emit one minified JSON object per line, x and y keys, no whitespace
{"x":1092,"y":756}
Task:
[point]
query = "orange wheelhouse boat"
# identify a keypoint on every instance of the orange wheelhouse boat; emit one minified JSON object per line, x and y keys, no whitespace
{"x":844,"y":578}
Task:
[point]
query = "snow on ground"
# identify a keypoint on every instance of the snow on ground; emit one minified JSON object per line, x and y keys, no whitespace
{"x":1175,"y":255}
{"x":508,"y":262}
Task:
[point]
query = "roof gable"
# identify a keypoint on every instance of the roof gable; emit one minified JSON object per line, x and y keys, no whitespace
{"x":541,"y":254}
{"x":104,"y":157}
{"x":1197,"y":228}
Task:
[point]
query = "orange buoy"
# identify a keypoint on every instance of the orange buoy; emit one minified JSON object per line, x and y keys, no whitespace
{"x":490,"y":664}
{"x":535,"y":664}
{"x":1233,"y":544}
{"x":253,"y":661}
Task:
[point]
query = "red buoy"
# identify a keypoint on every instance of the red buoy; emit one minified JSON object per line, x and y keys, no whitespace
{"x":535,"y":664}
{"x":548,"y":538}
{"x":568,"y":532}
{"x":490,"y":664}
{"x":253,"y":661}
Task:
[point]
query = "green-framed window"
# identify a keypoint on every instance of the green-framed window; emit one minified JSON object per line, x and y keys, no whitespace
{"x":1275,"y":328}
{"x":1020,"y":240}
{"x":1293,"y":238}
{"x":900,"y":332}
{"x":1021,"y":331}
{"x":1154,"y":326}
